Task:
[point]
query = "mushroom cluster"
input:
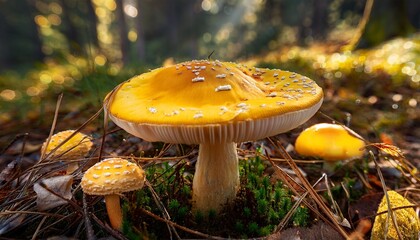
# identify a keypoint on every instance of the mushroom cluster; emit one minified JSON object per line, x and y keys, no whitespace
{"x":214,"y":104}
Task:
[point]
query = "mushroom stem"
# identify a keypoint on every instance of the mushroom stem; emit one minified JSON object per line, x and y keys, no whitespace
{"x":216,"y":178}
{"x":113,"y":208}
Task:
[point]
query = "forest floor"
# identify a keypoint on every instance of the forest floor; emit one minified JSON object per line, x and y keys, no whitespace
{"x":374,"y":92}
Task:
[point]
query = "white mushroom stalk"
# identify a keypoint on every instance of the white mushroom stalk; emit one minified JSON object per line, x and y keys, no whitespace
{"x":214,"y":104}
{"x":213,"y":186}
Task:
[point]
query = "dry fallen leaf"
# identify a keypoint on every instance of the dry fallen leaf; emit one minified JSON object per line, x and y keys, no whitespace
{"x":60,"y":185}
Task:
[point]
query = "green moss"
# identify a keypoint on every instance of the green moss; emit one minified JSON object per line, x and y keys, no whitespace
{"x":258,"y":208}
{"x":253,"y":228}
{"x":301,"y":217}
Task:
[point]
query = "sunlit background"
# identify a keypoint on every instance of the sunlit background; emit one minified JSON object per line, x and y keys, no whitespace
{"x":47,"y":46}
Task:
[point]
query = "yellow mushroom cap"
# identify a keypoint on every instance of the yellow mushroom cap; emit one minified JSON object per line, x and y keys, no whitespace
{"x":212,"y":101}
{"x":329,"y":142}
{"x":77,"y":146}
{"x":112,"y":176}
{"x":407,"y":220}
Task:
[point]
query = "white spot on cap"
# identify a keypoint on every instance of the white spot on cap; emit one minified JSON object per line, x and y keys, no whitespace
{"x":242,"y":105}
{"x":272,"y":94}
{"x":107,"y":174}
{"x":198,"y":115}
{"x":96,"y":176}
{"x":220,"y":75}
{"x":198,"y":79}
{"x":117,"y":166}
{"x":275,"y":75}
{"x":223,"y":88}
{"x":152,"y":110}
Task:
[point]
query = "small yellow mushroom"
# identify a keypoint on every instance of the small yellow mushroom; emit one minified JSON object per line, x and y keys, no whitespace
{"x":76,"y":147}
{"x":109,"y":178}
{"x":330,"y":142}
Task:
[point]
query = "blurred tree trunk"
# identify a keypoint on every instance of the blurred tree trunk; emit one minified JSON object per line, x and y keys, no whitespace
{"x":320,"y":19}
{"x":389,"y":19}
{"x":123,"y":33}
{"x":92,"y":23}
{"x":140,"y":43}
{"x":20,"y":41}
{"x":192,"y":33}
{"x":172,"y":24}
{"x":4,"y":48}
{"x":73,"y":36}
{"x":33,"y":32}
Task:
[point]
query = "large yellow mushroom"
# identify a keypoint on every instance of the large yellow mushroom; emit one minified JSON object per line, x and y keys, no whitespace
{"x":109,"y":178}
{"x":214,"y":104}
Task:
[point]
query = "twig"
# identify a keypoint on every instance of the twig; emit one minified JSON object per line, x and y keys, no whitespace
{"x":185,"y":229}
{"x":104,"y":133}
{"x":334,"y":203}
{"x":162,"y":209}
{"x":17,"y":137}
{"x":311,"y":191}
{"x":297,"y":203}
{"x":31,"y":174}
{"x":48,"y":227}
{"x":54,"y":123}
{"x":110,"y":230}
{"x":298,"y":161}
{"x":293,"y":185}
{"x":9,"y":212}
{"x":390,"y":211}
{"x":38,"y":228}
{"x":89,"y":231}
